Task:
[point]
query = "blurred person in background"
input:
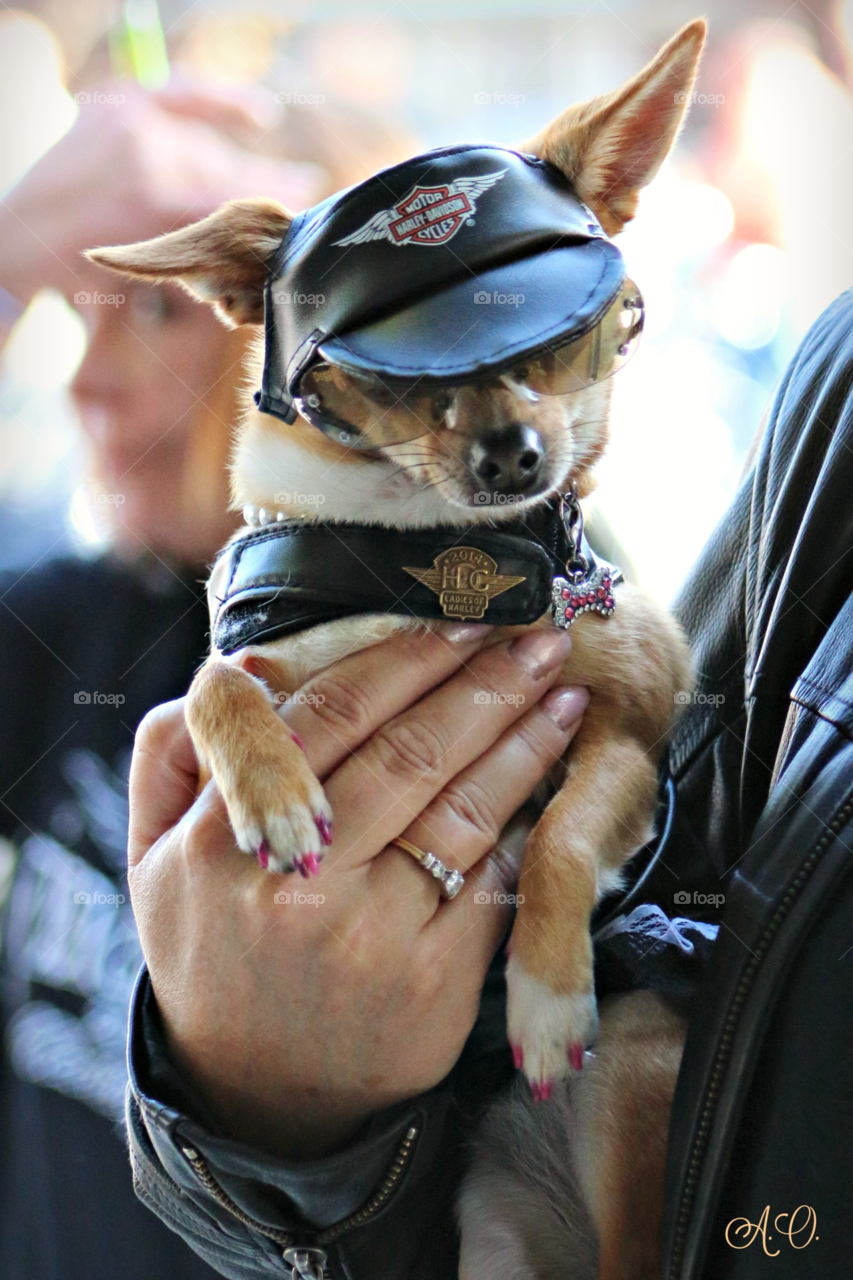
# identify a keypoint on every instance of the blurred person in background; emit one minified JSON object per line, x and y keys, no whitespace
{"x":89,"y":644}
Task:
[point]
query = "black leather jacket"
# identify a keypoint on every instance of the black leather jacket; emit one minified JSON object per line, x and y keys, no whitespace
{"x":759,"y":809}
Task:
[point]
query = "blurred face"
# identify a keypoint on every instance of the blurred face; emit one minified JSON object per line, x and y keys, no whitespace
{"x":156,"y":399}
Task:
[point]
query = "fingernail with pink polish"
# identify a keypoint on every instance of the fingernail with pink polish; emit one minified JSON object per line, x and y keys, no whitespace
{"x":296,"y":738}
{"x":538,"y":651}
{"x":324,"y":827}
{"x":467,"y":631}
{"x":566,"y":704}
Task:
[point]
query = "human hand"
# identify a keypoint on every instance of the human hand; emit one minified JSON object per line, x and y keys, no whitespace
{"x":297,"y":1018}
{"x":132,"y":170}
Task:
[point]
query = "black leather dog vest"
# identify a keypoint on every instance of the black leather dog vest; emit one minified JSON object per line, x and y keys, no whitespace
{"x":295,"y":574}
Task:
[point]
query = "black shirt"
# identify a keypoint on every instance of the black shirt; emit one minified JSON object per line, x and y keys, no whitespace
{"x":86,"y":648}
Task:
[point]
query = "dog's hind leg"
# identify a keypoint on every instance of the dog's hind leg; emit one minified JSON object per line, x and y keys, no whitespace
{"x":521,"y":1209}
{"x":622,"y":1105}
{"x":573,"y":1190}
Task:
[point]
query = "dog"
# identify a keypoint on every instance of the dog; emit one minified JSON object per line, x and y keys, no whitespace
{"x":581,"y":1196}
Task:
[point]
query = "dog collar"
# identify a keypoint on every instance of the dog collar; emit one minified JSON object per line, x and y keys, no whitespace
{"x":294,"y":574}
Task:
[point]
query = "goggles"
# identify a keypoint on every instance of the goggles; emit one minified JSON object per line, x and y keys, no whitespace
{"x":365,"y":411}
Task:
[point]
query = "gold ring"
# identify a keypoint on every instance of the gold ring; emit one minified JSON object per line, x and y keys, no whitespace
{"x":449,"y":881}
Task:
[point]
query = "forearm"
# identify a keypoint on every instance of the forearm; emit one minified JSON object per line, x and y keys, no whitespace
{"x":11,"y":310}
{"x":31,"y":256}
{"x":19,"y":274}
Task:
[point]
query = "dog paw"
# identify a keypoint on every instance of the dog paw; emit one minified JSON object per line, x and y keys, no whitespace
{"x":280,"y":814}
{"x":548,"y":1032}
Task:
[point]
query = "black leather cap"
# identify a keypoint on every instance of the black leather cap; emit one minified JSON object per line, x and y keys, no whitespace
{"x":450,"y":266}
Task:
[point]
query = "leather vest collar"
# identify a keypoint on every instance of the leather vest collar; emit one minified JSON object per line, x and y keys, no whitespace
{"x":295,"y":574}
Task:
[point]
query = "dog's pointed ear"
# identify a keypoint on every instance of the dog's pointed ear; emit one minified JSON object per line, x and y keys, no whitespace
{"x":224,"y":259}
{"x":612,"y":146}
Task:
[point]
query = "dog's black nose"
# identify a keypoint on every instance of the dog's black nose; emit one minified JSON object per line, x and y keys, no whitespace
{"x":508,"y":460}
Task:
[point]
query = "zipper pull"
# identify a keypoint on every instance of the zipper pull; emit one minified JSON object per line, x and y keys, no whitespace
{"x":307,"y":1264}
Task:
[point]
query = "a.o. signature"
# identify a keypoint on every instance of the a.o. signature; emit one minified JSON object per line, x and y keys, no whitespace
{"x":799,"y":1229}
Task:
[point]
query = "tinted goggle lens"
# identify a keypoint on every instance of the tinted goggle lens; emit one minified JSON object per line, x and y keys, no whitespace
{"x":590,"y":359}
{"x":365,"y":411}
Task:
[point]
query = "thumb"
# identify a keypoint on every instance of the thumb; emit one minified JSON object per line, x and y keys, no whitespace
{"x":164,"y":777}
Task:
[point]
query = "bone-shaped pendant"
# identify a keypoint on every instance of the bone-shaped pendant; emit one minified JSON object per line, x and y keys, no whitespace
{"x":593,"y":594}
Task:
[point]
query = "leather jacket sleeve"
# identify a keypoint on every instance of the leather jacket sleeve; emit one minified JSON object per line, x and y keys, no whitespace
{"x":762,"y":767}
{"x":383,"y":1207}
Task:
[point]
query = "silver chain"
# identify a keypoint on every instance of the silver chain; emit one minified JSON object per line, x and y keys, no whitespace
{"x":577,"y":565}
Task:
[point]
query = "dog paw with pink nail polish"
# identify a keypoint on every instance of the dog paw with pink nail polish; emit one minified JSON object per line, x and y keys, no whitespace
{"x":576,"y":1057}
{"x":541,"y":1090}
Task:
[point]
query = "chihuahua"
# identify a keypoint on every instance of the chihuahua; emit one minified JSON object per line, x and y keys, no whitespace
{"x":582,"y":1196}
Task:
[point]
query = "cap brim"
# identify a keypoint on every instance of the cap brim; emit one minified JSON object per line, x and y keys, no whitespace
{"x":484,"y":323}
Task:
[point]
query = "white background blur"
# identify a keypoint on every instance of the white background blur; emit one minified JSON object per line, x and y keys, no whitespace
{"x":738,"y":245}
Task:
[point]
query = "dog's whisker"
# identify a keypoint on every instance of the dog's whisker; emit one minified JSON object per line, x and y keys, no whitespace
{"x":435,"y":483}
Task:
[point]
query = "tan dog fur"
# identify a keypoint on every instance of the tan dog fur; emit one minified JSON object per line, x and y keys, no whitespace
{"x":576,"y":1193}
{"x":633,"y":663}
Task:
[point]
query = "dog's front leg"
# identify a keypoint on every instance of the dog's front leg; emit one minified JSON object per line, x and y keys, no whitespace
{"x":276,"y":805}
{"x":601,"y":814}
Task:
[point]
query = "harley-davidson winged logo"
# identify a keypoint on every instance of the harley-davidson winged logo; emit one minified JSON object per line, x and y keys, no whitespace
{"x":427,"y":215}
{"x":465,"y":581}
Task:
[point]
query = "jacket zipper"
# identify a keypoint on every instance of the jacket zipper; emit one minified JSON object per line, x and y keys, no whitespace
{"x":726,"y":1041}
{"x":379,"y":1198}
{"x":309,"y":1255}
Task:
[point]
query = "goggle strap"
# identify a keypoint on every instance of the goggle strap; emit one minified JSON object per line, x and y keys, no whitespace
{"x":279,"y":408}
